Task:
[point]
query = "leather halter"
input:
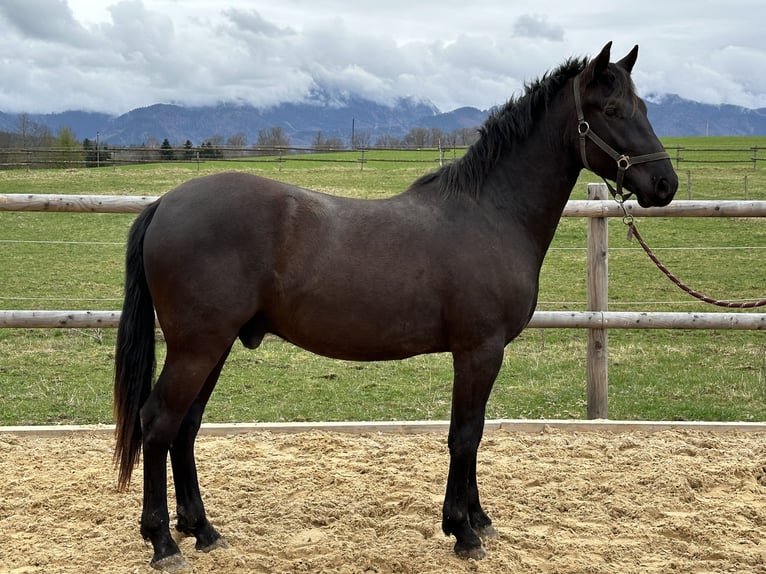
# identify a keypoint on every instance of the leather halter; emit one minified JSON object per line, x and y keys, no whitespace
{"x":624,"y":161}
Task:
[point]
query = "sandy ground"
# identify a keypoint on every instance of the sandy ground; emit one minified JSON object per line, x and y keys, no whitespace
{"x":562,"y":502}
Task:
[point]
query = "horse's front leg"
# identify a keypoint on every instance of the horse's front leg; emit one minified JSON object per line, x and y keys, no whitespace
{"x":475,"y":373}
{"x":480,"y":521}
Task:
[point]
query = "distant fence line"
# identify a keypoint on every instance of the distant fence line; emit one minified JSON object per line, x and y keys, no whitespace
{"x":597,"y":320}
{"x":45,"y":158}
{"x":51,"y":158}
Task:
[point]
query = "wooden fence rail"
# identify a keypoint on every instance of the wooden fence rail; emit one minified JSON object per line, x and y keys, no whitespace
{"x":597,"y":319}
{"x":540,"y":320}
{"x":574,"y":208}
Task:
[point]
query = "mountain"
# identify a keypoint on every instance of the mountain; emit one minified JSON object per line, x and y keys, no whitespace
{"x":337,"y":115}
{"x":300,"y":121}
{"x":334,"y":117}
{"x":672,"y":115}
{"x":457,"y":119}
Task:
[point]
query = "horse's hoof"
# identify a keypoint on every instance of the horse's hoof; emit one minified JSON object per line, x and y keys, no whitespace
{"x":173,"y":563}
{"x":486,"y":532}
{"x":217,"y":543}
{"x":474,"y":553}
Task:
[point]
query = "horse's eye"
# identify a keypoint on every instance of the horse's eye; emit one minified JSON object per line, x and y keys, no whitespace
{"x":611,"y":111}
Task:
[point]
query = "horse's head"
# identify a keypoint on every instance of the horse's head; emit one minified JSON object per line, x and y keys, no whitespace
{"x":616,"y":140}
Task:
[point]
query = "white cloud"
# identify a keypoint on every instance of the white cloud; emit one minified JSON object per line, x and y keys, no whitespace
{"x":114,"y":55}
{"x":536,"y":26}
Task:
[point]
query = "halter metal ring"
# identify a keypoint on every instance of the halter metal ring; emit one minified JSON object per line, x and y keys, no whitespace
{"x":623,"y":162}
{"x":583,"y":127}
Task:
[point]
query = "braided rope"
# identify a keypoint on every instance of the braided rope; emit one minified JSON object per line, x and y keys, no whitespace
{"x":633,"y":232}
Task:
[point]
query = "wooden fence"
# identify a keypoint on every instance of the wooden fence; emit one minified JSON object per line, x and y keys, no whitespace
{"x":597,"y":319}
{"x":428,"y":152}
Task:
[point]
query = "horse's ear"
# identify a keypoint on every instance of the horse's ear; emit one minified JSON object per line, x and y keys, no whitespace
{"x":598,"y":64}
{"x":629,"y":61}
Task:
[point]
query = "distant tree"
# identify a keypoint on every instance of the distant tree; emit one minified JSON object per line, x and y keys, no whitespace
{"x":69,"y":151}
{"x":273,"y":137}
{"x":438,"y":138}
{"x":449,"y":140}
{"x":466,"y":136}
{"x":41,"y":136}
{"x":209,"y":150}
{"x":31,"y":133}
{"x":23,"y":125}
{"x":7,"y":139}
{"x":417,"y":138}
{"x":320,"y":143}
{"x":166,"y":150}
{"x":65,"y":138}
{"x":95,"y":156}
{"x":216,"y":141}
{"x":388,"y":142}
{"x":237,"y":143}
{"x":188,"y":150}
{"x":91,"y":156}
{"x":334,"y":143}
{"x":361,"y":139}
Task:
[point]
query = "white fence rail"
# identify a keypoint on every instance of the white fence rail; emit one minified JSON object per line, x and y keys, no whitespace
{"x":597,"y":319}
{"x":540,"y":320}
{"x":574,"y":208}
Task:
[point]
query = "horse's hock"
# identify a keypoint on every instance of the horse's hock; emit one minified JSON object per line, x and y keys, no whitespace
{"x":575,"y":502}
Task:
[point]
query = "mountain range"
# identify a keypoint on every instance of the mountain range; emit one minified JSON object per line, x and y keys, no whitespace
{"x":340,"y":116}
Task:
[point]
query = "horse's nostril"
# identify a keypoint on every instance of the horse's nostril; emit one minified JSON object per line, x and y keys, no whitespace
{"x":664,"y":190}
{"x":661,"y":186}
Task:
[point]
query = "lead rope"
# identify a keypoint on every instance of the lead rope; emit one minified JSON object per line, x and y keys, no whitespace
{"x":633,"y":232}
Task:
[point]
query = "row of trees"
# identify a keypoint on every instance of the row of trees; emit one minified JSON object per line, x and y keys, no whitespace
{"x":34,"y":145}
{"x":276,"y":138}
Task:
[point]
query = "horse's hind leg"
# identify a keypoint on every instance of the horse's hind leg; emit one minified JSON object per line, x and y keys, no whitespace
{"x":190,"y":509}
{"x":183,"y":377}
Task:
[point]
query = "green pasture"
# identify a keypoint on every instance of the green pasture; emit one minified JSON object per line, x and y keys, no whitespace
{"x":716,"y":151}
{"x":75,"y":261}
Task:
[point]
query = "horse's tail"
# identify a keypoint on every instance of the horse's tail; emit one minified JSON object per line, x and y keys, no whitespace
{"x":134,"y":360}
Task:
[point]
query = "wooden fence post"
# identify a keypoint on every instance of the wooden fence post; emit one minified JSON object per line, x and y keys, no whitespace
{"x":597,"y":300}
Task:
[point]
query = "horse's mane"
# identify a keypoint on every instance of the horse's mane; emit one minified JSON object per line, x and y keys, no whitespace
{"x":505,"y":126}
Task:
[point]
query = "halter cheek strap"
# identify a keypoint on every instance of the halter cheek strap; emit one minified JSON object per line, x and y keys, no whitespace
{"x":624,"y":161}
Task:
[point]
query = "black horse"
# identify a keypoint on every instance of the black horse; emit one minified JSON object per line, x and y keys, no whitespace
{"x":451,"y":264}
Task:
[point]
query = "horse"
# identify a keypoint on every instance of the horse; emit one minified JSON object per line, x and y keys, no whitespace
{"x":451,"y":264}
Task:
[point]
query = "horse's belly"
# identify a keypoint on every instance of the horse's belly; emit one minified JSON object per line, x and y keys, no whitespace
{"x":362,"y":333}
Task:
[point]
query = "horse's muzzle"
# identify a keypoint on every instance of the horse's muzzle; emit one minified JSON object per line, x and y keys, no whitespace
{"x":661,"y":192}
{"x":664,"y":189}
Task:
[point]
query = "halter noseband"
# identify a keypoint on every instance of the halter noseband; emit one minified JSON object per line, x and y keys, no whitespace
{"x":624,"y":161}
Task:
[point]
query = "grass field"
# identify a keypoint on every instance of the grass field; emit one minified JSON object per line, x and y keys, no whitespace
{"x":75,"y":261}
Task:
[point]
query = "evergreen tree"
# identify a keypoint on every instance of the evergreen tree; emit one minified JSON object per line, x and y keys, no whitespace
{"x":166,"y":150}
{"x":188,"y":150}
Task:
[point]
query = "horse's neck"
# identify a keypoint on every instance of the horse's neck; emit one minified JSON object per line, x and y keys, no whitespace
{"x":533,"y":183}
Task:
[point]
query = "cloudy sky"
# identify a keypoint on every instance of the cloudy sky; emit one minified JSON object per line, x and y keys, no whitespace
{"x":115,"y":55}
